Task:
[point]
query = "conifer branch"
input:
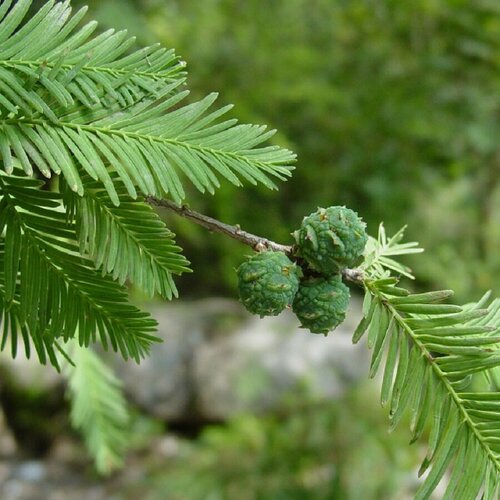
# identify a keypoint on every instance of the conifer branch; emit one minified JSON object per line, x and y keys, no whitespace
{"x":258,"y":243}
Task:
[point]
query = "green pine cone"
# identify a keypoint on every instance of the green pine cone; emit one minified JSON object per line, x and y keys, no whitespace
{"x":268,"y":282}
{"x":321,"y":303}
{"x":331,"y":239}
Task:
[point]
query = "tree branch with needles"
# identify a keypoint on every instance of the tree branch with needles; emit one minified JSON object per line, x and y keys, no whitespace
{"x":258,"y":243}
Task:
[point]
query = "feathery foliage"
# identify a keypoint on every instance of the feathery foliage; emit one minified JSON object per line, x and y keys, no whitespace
{"x":98,"y":408}
{"x":130,"y":240}
{"x":52,"y":288}
{"x":108,"y":121}
{"x":69,"y":104}
{"x":433,"y":349}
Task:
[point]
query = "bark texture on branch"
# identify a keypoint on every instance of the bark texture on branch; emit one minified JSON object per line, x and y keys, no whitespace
{"x":257,"y":243}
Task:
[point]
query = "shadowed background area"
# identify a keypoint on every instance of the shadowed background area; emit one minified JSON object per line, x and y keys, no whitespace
{"x":393,"y":110}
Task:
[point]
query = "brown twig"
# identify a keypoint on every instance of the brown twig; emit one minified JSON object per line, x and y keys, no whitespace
{"x":257,"y":243}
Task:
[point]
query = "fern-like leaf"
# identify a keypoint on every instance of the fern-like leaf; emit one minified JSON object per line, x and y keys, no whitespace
{"x":50,"y":287}
{"x":129,"y":241}
{"x":433,"y":349}
{"x":151,"y":142}
{"x":380,"y":251}
{"x":48,"y":62}
{"x":12,"y":330}
{"x":98,"y":408}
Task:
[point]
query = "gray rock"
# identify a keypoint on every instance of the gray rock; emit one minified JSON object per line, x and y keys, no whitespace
{"x":28,"y":373}
{"x":47,"y":480}
{"x":268,"y":359}
{"x":216,"y":360}
{"x":31,"y":471}
{"x":162,"y":384}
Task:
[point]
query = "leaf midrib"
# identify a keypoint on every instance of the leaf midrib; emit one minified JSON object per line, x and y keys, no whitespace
{"x":151,"y":138}
{"x":129,"y":233}
{"x":98,"y":69}
{"x":97,"y":415}
{"x":36,"y":240}
{"x":442,"y":377}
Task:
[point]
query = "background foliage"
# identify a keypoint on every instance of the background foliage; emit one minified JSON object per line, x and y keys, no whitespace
{"x":255,"y":457}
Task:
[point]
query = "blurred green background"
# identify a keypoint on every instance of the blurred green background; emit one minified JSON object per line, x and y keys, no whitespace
{"x":393,"y":108}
